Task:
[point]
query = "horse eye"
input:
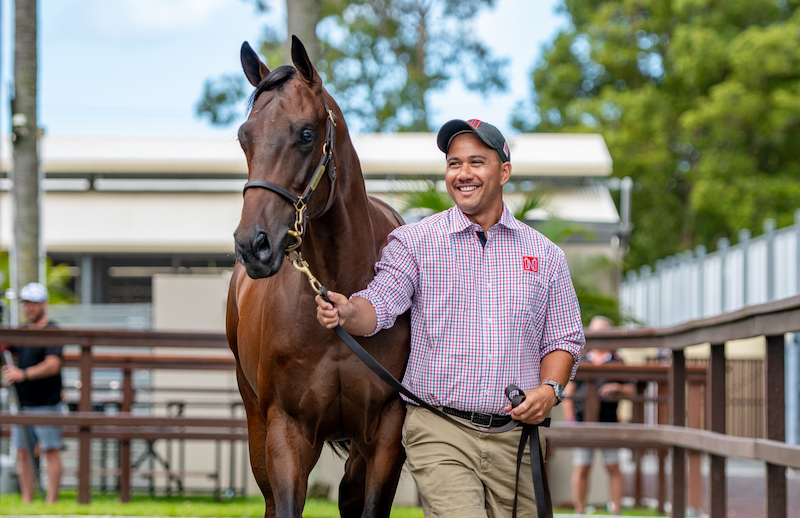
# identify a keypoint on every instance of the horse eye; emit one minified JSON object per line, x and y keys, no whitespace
{"x":306,"y":137}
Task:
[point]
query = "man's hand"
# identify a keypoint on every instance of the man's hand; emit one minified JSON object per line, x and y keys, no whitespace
{"x":12,"y":374}
{"x":336,"y":314}
{"x":356,"y":315}
{"x":536,"y":407}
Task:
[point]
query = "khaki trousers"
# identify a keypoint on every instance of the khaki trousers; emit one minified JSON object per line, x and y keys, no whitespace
{"x":466,"y":474}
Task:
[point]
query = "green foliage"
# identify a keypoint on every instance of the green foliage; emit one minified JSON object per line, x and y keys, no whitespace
{"x":698,"y":101}
{"x":57,"y":280}
{"x":380,"y":58}
{"x":221,"y":97}
{"x":431,"y":199}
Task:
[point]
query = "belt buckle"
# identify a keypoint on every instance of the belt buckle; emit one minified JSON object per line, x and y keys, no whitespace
{"x":481,"y":419}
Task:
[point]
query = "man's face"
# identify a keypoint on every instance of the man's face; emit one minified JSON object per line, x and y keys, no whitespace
{"x":475,"y":176}
{"x":34,"y":310}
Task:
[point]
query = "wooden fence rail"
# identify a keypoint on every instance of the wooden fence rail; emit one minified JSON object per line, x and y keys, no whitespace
{"x":772,"y":320}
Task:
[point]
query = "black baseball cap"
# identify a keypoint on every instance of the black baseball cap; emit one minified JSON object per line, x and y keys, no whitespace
{"x":490,"y":136}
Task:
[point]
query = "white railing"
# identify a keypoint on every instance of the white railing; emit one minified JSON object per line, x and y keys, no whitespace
{"x":696,"y":284}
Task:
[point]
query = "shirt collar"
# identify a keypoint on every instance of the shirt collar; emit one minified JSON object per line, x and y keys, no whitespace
{"x":460,"y":222}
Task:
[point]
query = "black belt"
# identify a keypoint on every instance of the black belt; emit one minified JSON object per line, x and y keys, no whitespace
{"x":481,"y":419}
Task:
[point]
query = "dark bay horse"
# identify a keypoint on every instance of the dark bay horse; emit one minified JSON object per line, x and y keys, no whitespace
{"x":300,"y":384}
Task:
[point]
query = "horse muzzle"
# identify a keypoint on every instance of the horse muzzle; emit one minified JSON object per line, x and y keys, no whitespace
{"x":258,"y":254}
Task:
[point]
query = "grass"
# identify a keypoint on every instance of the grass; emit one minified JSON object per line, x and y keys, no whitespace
{"x":197,"y":506}
{"x":179,"y":506}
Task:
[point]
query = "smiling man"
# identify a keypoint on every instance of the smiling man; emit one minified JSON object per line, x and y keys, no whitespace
{"x":492,"y":304}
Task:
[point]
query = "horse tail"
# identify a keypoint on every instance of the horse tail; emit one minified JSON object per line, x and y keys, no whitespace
{"x":341,"y":448}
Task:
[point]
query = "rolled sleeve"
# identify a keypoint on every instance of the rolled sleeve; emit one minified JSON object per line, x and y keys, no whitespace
{"x":563,"y":329}
{"x":391,"y":291}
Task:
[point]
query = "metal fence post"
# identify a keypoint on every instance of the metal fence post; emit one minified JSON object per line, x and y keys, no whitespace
{"x":723,"y":244}
{"x":687,"y":262}
{"x":700,"y":253}
{"x":645,"y":274}
{"x":659,"y":311}
{"x":797,"y":251}
{"x":673,"y":306}
{"x":769,"y":232}
{"x":744,"y":243}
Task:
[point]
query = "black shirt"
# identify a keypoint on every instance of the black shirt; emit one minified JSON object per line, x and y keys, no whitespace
{"x":41,"y":392}
{"x":608,"y":409}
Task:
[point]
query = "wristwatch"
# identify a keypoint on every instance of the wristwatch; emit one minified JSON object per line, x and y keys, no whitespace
{"x":558,"y":388}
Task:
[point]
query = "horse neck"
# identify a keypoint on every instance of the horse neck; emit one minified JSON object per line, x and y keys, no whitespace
{"x":341,"y":245}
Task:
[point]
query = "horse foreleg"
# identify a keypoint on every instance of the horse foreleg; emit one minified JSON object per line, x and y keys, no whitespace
{"x":291,"y":459}
{"x":256,"y":441}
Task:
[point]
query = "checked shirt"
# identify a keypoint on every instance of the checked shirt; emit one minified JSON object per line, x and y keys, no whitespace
{"x":482,"y":317}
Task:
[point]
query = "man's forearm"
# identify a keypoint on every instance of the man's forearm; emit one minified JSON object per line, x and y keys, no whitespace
{"x":363,"y":319}
{"x":50,"y":366}
{"x":557,"y":366}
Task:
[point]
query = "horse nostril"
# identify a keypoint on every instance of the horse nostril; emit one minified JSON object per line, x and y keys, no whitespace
{"x":260,"y":246}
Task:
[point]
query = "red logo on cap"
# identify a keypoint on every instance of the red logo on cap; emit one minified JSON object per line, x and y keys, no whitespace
{"x":474,"y":123}
{"x":505,"y":148}
{"x":530,"y":264}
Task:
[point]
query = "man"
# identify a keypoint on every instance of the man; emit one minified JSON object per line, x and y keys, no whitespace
{"x":573,"y":411}
{"x":491,"y":304}
{"x":37,"y":378}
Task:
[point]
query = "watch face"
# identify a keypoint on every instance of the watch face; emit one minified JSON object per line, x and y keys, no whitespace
{"x":557,"y":388}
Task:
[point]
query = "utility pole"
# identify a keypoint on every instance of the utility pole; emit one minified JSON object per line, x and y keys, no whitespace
{"x":25,"y":137}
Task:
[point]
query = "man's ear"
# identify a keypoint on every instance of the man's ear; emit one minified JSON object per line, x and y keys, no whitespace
{"x":505,"y":173}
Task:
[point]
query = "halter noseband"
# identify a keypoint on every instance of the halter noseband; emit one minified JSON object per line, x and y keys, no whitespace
{"x":300,"y":203}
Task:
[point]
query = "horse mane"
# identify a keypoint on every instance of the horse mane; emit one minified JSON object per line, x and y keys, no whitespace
{"x":274,"y":80}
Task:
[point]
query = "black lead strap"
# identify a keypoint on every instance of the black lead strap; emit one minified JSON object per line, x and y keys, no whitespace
{"x":530,"y":433}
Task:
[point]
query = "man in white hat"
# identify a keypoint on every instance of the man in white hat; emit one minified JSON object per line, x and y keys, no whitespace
{"x":37,"y":377}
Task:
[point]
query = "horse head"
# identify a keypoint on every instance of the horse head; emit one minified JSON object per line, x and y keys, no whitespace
{"x":289,"y":142}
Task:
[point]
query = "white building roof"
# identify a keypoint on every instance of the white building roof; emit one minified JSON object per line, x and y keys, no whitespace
{"x":119,"y":207}
{"x":533,"y":154}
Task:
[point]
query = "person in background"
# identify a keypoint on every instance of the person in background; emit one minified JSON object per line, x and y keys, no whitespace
{"x":573,"y":411}
{"x":37,"y":378}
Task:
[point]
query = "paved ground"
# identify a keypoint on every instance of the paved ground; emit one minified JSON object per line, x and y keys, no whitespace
{"x":746,"y":490}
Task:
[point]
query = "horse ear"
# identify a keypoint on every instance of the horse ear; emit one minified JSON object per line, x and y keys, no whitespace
{"x":254,"y":69}
{"x":301,"y":61}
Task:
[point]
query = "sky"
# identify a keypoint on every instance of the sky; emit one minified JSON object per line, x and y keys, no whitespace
{"x":137,"y":67}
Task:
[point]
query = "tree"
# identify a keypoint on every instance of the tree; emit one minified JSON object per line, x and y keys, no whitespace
{"x":698,"y":102}
{"x":381,"y":57}
{"x":25,"y":137}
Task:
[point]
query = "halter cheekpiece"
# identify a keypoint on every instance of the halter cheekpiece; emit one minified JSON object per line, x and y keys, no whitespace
{"x":300,"y":203}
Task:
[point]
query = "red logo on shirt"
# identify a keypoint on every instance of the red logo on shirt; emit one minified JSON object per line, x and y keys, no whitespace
{"x":530,"y":264}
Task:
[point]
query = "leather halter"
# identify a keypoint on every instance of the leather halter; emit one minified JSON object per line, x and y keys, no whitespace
{"x":300,"y":203}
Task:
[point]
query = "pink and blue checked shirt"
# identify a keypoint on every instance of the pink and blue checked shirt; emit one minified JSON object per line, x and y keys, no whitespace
{"x":481,"y":317}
